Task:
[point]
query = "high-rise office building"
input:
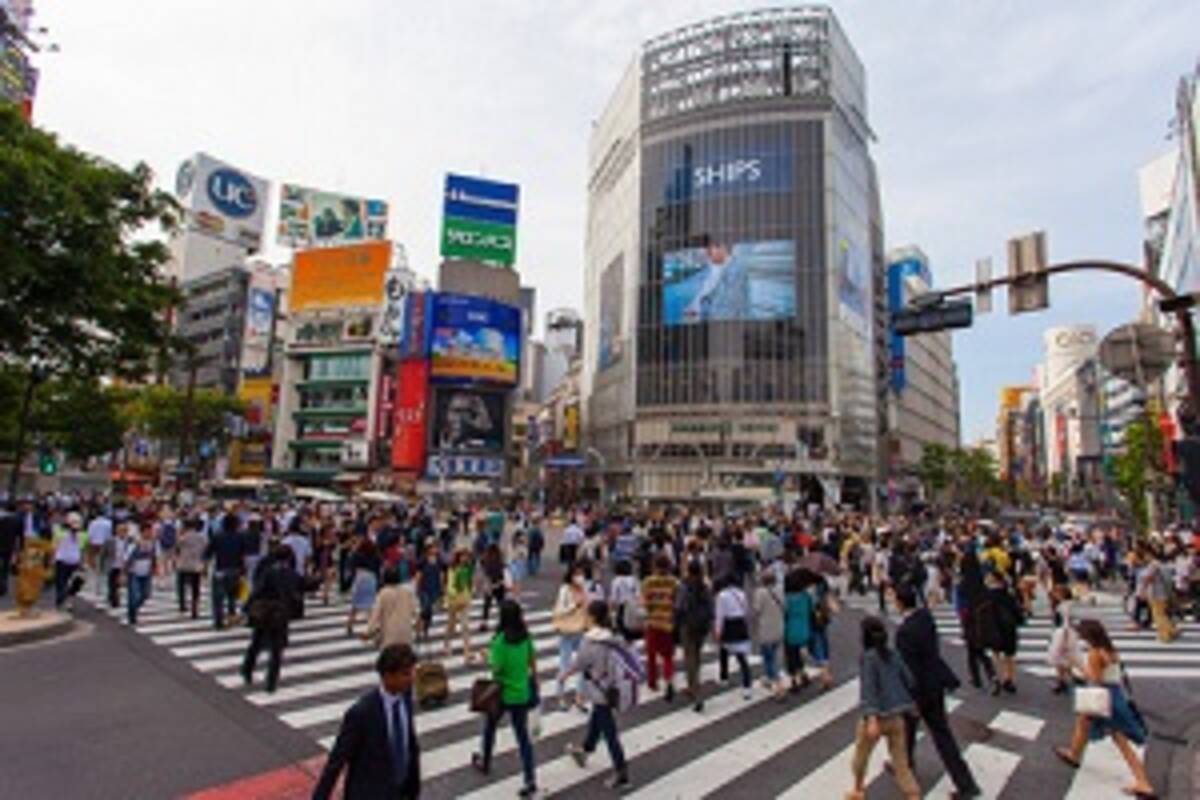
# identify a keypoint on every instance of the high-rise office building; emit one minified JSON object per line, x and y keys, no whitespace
{"x":733,"y":266}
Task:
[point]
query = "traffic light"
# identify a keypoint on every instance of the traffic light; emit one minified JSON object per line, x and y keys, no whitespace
{"x":47,"y":463}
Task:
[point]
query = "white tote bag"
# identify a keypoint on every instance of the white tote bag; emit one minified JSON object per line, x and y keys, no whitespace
{"x":1093,"y":701}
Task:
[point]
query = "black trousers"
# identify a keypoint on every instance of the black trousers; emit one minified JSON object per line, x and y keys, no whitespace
{"x":5,"y":570}
{"x":496,"y":593}
{"x":976,"y":657}
{"x":188,"y":583}
{"x":932,"y":711}
{"x":274,"y":639}
{"x":114,"y":587}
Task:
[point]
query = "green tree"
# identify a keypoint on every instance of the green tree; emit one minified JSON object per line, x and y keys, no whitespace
{"x":76,"y":415}
{"x":159,"y":411}
{"x":81,"y":289}
{"x":1138,"y":470}
{"x":934,"y":469}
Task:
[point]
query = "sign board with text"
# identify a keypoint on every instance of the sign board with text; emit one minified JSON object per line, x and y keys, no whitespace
{"x":479,"y":220}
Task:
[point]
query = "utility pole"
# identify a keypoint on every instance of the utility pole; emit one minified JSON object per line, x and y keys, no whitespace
{"x":185,"y":433}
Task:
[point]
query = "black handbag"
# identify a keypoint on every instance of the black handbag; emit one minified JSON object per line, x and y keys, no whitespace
{"x":734,"y":629}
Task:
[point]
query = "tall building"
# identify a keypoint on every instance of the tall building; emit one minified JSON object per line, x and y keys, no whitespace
{"x":1071,"y":391}
{"x":733,"y":251}
{"x":924,"y":403}
{"x":1020,"y":436}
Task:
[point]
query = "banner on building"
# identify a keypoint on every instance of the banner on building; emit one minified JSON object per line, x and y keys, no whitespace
{"x":414,"y":335}
{"x":313,"y":218}
{"x":570,"y":437}
{"x":222,"y":201}
{"x":479,"y":220}
{"x":469,"y":420}
{"x":474,"y":339}
{"x":410,"y":420}
{"x":336,"y":277}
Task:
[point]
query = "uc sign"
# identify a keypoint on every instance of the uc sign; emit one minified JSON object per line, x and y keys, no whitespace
{"x":232,"y":193}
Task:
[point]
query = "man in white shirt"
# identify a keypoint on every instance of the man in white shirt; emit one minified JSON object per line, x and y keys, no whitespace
{"x":572,"y":539}
{"x":298,"y":542}
{"x":99,"y":538}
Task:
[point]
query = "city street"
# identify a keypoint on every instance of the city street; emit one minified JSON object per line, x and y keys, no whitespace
{"x":796,"y":749}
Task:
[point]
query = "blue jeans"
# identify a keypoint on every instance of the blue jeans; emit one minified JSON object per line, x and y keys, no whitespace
{"x":224,"y":594}
{"x":135,"y":594}
{"x":567,"y":645}
{"x":818,"y":646}
{"x":603,"y":723}
{"x":770,"y":660}
{"x":520,"y":725}
{"x":535,"y":563}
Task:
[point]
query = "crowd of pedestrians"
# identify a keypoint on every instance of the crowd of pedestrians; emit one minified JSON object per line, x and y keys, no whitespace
{"x":639,"y":590}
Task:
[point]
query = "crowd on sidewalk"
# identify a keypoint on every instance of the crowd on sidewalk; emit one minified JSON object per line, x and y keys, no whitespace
{"x":638,"y":589}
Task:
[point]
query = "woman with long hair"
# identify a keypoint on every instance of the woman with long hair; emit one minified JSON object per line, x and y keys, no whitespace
{"x":1103,"y":669}
{"x":366,"y":565}
{"x":460,"y":579}
{"x":970,"y":597}
{"x":731,"y":630}
{"x":884,"y":699}
{"x":570,"y":621}
{"x":513,"y":661}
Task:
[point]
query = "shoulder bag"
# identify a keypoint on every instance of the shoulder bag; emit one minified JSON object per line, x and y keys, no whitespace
{"x":485,"y":697}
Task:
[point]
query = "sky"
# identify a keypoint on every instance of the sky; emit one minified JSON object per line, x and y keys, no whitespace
{"x":992,"y":118}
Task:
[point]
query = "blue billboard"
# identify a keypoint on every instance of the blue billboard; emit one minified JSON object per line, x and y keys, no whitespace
{"x":474,"y":339}
{"x":742,"y":281}
{"x":897,"y":272}
{"x":481,"y":200}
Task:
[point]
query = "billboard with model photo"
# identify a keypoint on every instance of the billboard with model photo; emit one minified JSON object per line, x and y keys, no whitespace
{"x":474,"y":339}
{"x":730,"y":281}
{"x":612,"y":287}
{"x":309,"y":217}
{"x":468,"y":420}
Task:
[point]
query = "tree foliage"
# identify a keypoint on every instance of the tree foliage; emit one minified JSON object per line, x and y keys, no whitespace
{"x":969,"y":474}
{"x":73,"y":414}
{"x":1140,"y":468}
{"x":81,"y":291}
{"x":159,"y":411}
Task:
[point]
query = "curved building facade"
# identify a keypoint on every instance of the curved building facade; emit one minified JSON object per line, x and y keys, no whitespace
{"x":734,"y":257}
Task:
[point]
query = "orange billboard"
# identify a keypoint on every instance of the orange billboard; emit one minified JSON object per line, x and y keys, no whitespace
{"x":333,"y":277}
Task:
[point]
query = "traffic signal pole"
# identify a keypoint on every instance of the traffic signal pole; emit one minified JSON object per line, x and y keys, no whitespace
{"x":1170,"y":302}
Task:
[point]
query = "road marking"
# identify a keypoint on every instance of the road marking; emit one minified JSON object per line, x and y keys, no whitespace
{"x":991,"y":767}
{"x":733,"y":758}
{"x":1102,"y":773}
{"x":834,"y":778}
{"x":1023,"y":726}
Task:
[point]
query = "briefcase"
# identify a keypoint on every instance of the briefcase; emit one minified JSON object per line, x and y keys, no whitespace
{"x":432,"y":684}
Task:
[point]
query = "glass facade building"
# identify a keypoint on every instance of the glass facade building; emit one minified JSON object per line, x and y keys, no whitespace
{"x":747,"y":345}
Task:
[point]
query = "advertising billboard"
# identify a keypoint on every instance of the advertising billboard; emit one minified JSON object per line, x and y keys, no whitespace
{"x":222,"y":201}
{"x":468,"y":420}
{"x":414,"y":334}
{"x":612,"y":290}
{"x":411,"y":417}
{"x":742,"y":281}
{"x":256,"y":342}
{"x":474,"y":339}
{"x":479,"y":220}
{"x":570,"y":438}
{"x":700,"y":172}
{"x":313,"y":218}
{"x":351,"y":275}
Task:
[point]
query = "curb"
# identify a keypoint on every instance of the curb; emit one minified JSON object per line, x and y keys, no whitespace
{"x":58,"y":625}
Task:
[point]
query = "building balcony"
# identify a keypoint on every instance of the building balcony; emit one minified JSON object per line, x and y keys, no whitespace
{"x":327,"y":413}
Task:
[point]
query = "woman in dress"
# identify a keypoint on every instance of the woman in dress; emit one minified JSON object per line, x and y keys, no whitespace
{"x":570,"y":620}
{"x":1063,"y":642}
{"x":365,"y":564}
{"x":1102,"y":667}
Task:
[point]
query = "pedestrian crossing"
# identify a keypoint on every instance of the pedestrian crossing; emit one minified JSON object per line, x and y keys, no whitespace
{"x":1143,"y":655}
{"x":799,"y":748}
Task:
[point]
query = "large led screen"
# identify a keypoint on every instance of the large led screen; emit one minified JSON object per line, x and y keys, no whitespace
{"x":474,"y":339}
{"x":725,"y":282}
{"x":468,"y":420}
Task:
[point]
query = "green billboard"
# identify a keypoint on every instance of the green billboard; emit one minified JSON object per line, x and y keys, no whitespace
{"x":473,"y":240}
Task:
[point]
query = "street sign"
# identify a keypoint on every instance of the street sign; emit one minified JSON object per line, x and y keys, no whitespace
{"x":927,"y":320}
{"x":983,"y":275}
{"x":1030,"y":290}
{"x":1138,"y":353}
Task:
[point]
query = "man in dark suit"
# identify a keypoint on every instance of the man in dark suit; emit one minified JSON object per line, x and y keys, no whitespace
{"x":917,"y":643}
{"x":377,"y":743}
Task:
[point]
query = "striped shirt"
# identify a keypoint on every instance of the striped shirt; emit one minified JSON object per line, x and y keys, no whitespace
{"x":658,"y":593}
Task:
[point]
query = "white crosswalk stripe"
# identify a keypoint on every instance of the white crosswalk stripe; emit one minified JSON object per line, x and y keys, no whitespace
{"x":324,"y":672}
{"x":1143,"y":654}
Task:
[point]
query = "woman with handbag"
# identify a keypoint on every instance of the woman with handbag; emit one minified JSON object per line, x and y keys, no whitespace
{"x":768,"y":610}
{"x":513,"y":661}
{"x":270,"y":609}
{"x":731,"y":629}
{"x":1105,"y":708}
{"x":366,"y":565}
{"x":570,"y":620}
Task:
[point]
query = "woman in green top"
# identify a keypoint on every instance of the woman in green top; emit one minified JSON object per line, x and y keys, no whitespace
{"x":514,"y":666}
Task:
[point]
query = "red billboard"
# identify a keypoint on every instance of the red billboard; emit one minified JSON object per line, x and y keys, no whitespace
{"x":411,"y":416}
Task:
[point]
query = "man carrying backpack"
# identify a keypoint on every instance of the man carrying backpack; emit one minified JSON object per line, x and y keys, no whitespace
{"x":611,"y":673}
